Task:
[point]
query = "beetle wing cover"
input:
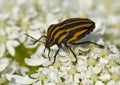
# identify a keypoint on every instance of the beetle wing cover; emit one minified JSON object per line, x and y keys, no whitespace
{"x":69,"y":30}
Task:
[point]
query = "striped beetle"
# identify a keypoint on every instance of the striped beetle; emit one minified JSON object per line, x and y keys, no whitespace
{"x":67,"y":32}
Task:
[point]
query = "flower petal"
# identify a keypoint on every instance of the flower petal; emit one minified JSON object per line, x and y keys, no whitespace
{"x":10,"y":48}
{"x":14,"y":43}
{"x":4,"y":62}
{"x":20,"y":79}
{"x":2,"y":49}
{"x":35,"y":61}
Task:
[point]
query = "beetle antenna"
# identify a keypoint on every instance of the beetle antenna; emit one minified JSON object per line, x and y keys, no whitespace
{"x":39,"y":39}
{"x":30,"y":36}
{"x":36,"y":40}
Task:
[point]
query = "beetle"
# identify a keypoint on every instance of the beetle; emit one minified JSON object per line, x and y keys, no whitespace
{"x":67,"y":32}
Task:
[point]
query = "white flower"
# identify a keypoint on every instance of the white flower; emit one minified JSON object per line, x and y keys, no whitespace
{"x":4,"y":62}
{"x":8,"y":67}
{"x":37,"y":59}
{"x":105,"y":77}
{"x":8,"y":40}
{"x":46,"y":76}
{"x":20,"y":79}
{"x":99,"y":83}
{"x":53,"y":75}
{"x":111,"y":82}
{"x":87,"y":82}
{"x":4,"y":16}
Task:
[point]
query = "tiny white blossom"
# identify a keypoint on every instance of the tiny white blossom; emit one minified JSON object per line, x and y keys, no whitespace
{"x":99,"y":83}
{"x":4,"y":62}
{"x":4,"y":16}
{"x":87,"y":82}
{"x":46,"y":76}
{"x":111,"y":82}
{"x":53,"y":75}
{"x":105,"y":77}
{"x":8,"y":40}
{"x":115,"y":69}
{"x":20,"y":79}
{"x":37,"y":59}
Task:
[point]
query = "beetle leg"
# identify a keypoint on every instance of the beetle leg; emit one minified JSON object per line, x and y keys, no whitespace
{"x":72,"y":52}
{"x":59,"y":46}
{"x":44,"y":49}
{"x":86,"y":42}
{"x":49,"y":53}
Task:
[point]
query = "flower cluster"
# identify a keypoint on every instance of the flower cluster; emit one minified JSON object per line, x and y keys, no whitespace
{"x":95,"y":66}
{"x":24,"y":64}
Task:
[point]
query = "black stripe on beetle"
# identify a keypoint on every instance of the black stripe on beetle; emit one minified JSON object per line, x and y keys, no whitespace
{"x":67,"y":32}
